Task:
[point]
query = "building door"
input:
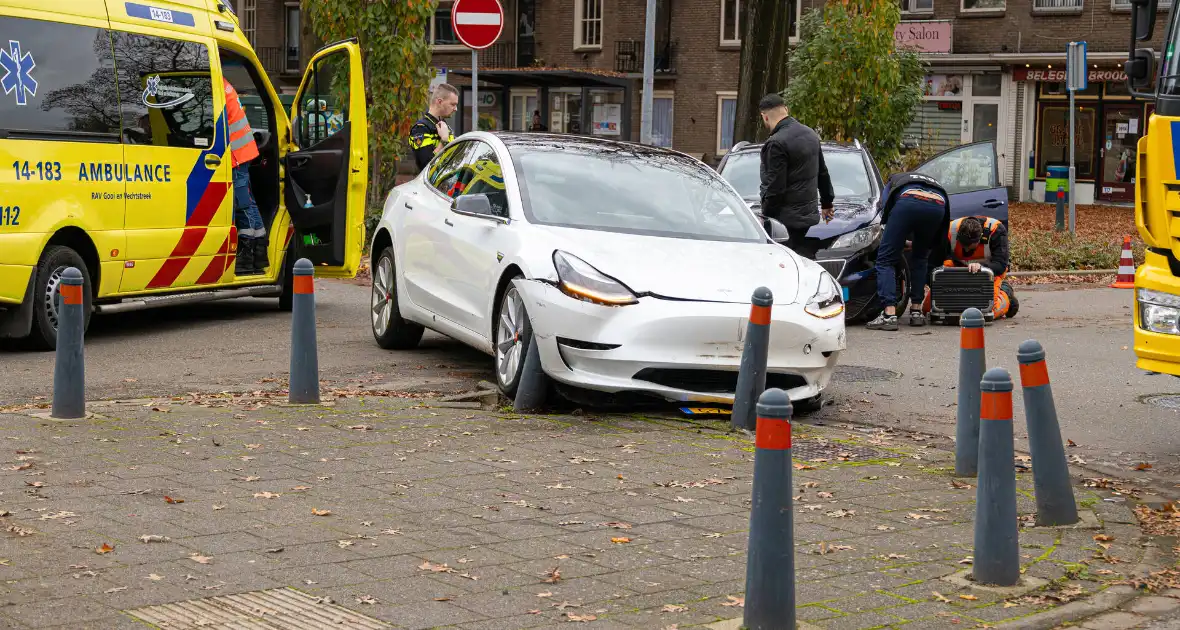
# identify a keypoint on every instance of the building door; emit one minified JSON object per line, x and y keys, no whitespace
{"x":982,"y":114}
{"x":1121,"y":128}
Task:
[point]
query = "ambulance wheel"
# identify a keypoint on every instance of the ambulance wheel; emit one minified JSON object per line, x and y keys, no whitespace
{"x":46,"y":299}
{"x":1013,"y":303}
{"x":389,"y":329}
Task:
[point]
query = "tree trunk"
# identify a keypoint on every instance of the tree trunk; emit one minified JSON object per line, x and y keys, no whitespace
{"x":765,"y":50}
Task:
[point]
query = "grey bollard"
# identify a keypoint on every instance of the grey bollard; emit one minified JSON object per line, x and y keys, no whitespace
{"x":1060,"y":208}
{"x":1055,"y":500}
{"x":69,"y":368}
{"x":533,"y":385}
{"x":997,"y":546}
{"x":304,"y":387}
{"x":770,"y":556}
{"x":972,"y":364}
{"x":751,"y":379}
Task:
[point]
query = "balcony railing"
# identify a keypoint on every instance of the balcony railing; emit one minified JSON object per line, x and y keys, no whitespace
{"x":279,"y":60}
{"x":629,"y":57}
{"x":1057,"y":6}
{"x":509,"y":55}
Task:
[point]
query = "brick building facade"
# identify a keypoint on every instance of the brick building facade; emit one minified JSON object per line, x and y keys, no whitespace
{"x":993,"y":75}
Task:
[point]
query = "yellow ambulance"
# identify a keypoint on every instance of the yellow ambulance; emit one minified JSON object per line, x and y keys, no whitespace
{"x":115,"y":158}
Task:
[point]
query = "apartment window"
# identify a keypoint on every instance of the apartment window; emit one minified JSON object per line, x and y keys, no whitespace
{"x":588,"y":24}
{"x":1057,"y":6}
{"x":731,"y":21}
{"x":291,"y":60}
{"x":248,"y":20}
{"x":661,"y":119}
{"x":982,"y":5}
{"x":917,"y":6}
{"x":1125,"y":5}
{"x":441,"y":33}
{"x":726,"y":116}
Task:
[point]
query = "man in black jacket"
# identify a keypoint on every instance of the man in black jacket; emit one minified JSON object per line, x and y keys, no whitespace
{"x":794,"y":176}
{"x":917,"y":207}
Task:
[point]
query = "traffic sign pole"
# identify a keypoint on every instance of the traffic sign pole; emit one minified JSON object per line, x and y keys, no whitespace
{"x":1076,"y":78}
{"x":477,"y":24}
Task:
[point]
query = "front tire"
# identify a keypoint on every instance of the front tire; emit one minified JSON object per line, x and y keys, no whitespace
{"x":46,"y":298}
{"x":389,"y":329}
{"x":513,"y":336}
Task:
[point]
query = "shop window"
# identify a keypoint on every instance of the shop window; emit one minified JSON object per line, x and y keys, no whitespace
{"x":936,"y":126}
{"x":1057,"y":89}
{"x":606,"y":113}
{"x":726,"y":116}
{"x":983,"y":5}
{"x":1117,"y":89}
{"x":986,"y":84}
{"x":1053,"y":139}
{"x":943,"y":85}
{"x":588,"y":24}
{"x":490,"y":109}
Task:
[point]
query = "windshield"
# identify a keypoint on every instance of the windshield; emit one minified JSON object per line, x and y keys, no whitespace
{"x":850,"y":177}
{"x":633,"y":190}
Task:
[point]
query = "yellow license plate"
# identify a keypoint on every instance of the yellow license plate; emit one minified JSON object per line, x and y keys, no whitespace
{"x":705,"y":411}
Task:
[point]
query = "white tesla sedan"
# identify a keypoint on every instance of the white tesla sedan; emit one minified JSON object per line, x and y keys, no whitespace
{"x":631,"y":267}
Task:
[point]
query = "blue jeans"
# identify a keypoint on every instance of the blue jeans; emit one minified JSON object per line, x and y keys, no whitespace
{"x":918,"y":220}
{"x":246,"y":215}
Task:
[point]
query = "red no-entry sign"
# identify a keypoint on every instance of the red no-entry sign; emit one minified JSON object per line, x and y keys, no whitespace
{"x":477,"y":23}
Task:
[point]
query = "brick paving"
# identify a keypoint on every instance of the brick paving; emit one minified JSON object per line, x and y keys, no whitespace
{"x":430,"y":517}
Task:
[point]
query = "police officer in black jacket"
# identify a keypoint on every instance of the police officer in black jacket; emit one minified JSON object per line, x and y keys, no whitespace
{"x":794,"y":176}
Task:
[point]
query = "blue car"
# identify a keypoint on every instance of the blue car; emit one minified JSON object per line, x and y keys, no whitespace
{"x":970,"y":173}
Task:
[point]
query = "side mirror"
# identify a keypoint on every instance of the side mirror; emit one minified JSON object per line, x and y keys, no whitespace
{"x":477,"y":205}
{"x":1140,"y":69}
{"x":1143,"y":14}
{"x":777,"y":231}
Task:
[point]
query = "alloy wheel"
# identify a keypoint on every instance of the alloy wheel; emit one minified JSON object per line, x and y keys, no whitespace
{"x":382,"y":298}
{"x":510,"y":336}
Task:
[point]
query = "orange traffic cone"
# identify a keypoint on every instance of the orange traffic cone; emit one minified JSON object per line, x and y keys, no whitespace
{"x":1126,"y":277}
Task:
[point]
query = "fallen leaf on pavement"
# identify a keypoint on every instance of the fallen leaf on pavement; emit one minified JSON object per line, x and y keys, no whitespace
{"x":1103,"y":538}
{"x":884,"y":528}
{"x":361,"y":427}
{"x":343,"y":543}
{"x":621,"y":540}
{"x":321,"y":512}
{"x":153,"y":538}
{"x":115,"y":590}
{"x":583,"y":618}
{"x":365,"y":599}
{"x":266,"y":495}
{"x":552,"y":576}
{"x":275,"y":550}
{"x":1074,"y":459}
{"x":219,"y":507}
{"x":940,"y":597}
{"x":199,"y":559}
{"x":1070,"y":443}
{"x":967,"y":560}
{"x":735,"y":601}
{"x":155,"y":578}
{"x":810,"y":484}
{"x":558,"y":486}
{"x":684,"y":500}
{"x":437,"y":568}
{"x":105,"y":548}
{"x":714,"y":535}
{"x":804,"y":467}
{"x":1143,"y":466}
{"x":917,"y":517}
{"x":545,"y":594}
{"x":959,"y":485}
{"x":168,"y":499}
{"x":969,"y":598}
{"x":673,"y":608}
{"x":617,"y":525}
{"x":842,"y":513}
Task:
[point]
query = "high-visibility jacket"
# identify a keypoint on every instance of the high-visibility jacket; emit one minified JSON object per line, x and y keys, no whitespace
{"x":241,"y":137}
{"x":983,"y":251}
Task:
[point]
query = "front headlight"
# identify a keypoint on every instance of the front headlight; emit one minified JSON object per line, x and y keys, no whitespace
{"x":1159,"y":312}
{"x":859,"y":239}
{"x":579,"y":280}
{"x":828,"y":301}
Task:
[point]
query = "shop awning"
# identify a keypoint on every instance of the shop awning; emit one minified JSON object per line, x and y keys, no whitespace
{"x":548,"y":77}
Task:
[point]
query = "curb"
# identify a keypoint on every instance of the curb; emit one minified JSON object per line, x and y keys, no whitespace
{"x":1064,"y":272}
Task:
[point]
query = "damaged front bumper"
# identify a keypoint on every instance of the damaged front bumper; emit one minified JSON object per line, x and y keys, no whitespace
{"x":679,"y":350}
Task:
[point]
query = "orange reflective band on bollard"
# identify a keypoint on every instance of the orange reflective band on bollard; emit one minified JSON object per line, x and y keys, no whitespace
{"x":1034,"y":374}
{"x":71,"y":293}
{"x":304,"y":285}
{"x":760,"y":315}
{"x":996,"y":406}
{"x":773,"y":434}
{"x":971,"y":338}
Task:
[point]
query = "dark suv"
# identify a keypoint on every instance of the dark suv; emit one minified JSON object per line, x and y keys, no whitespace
{"x":849,"y":242}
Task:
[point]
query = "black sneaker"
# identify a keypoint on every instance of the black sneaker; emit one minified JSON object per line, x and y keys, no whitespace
{"x":883,"y":322}
{"x":917,"y":318}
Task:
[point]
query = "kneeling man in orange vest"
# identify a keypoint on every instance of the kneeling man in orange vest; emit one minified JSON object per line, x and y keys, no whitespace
{"x":978,"y":242}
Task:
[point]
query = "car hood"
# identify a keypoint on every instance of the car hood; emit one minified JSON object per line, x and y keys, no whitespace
{"x":850,"y":215}
{"x":684,"y":269}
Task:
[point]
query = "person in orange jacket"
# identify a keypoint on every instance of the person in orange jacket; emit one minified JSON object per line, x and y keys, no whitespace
{"x":252,"y":242}
{"x":978,"y":242}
